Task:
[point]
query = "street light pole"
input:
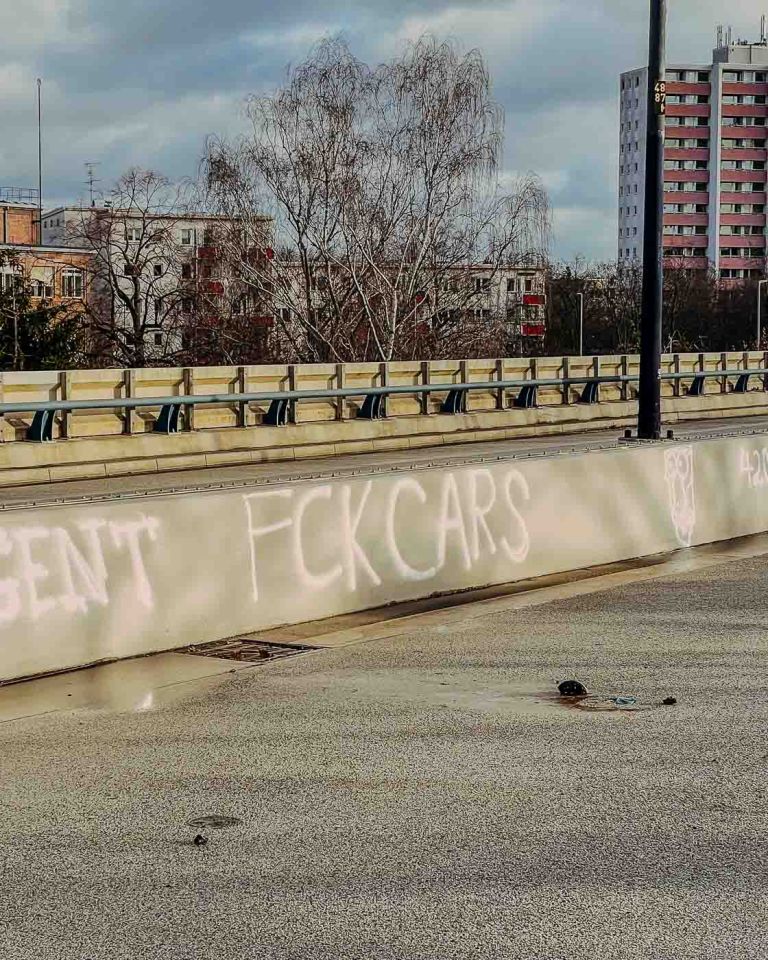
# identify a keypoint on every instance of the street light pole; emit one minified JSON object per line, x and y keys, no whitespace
{"x":760,"y":285}
{"x":581,"y":323}
{"x":649,"y":418}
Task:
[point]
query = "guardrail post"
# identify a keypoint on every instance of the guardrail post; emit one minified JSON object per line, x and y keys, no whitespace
{"x":425,"y":380}
{"x":702,"y":369}
{"x":2,"y":397}
{"x":242,"y":407}
{"x":384,"y":377}
{"x":65,"y":392}
{"x":464,"y":378}
{"x":566,"y":385}
{"x":624,"y":394}
{"x":340,"y":386}
{"x":500,"y":398}
{"x":292,"y":418}
{"x":677,"y":387}
{"x":187,"y":386}
{"x":765,"y":367}
{"x":724,"y":366}
{"x":129,"y":390}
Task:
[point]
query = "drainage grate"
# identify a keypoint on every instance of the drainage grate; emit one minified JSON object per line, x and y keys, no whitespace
{"x":246,"y":649}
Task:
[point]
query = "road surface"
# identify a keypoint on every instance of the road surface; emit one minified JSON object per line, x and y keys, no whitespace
{"x":413,"y":796}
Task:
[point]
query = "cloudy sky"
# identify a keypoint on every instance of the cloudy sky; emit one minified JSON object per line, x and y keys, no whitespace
{"x":141,"y":82}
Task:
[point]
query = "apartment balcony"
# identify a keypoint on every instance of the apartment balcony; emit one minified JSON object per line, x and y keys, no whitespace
{"x":751,"y":133}
{"x":745,"y":89}
{"x":753,"y":153}
{"x":744,"y":176}
{"x":686,"y":219}
{"x":744,"y":110}
{"x":728,"y":196}
{"x":728,"y":240}
{"x":686,"y":133}
{"x":687,"y":176}
{"x":686,"y":263}
{"x":680,"y":242}
{"x":689,"y":110}
{"x":680,"y":87}
{"x":680,"y":196}
{"x":742,"y":219}
{"x":742,"y":263}
{"x":687,"y":153}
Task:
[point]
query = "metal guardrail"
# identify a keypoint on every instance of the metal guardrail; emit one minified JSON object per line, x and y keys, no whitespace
{"x":280,"y":399}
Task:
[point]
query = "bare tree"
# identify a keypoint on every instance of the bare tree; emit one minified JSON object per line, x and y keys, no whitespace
{"x":141,"y":269}
{"x":383,"y":190}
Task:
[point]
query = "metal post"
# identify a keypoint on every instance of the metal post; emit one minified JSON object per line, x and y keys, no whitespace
{"x":649,"y":418}
{"x":581,"y":323}
{"x":760,"y":285}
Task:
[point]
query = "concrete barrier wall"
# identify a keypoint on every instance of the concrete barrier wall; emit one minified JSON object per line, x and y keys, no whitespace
{"x":79,"y":584}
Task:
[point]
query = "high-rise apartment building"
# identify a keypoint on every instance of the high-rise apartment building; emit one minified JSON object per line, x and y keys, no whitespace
{"x":715,"y":161}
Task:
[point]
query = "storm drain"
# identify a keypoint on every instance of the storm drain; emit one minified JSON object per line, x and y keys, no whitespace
{"x":247,"y":650}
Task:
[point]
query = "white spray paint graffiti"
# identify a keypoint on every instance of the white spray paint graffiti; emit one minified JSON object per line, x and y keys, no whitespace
{"x":55,"y":569}
{"x":678,"y":472}
{"x":472,"y":516}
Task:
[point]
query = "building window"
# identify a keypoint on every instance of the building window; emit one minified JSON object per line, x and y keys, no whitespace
{"x":158,"y":339}
{"x":482,"y":284}
{"x":186,"y":238}
{"x":158,"y":269}
{"x":186,"y":305}
{"x":133,"y":234}
{"x":72,"y":284}
{"x":186,"y":271}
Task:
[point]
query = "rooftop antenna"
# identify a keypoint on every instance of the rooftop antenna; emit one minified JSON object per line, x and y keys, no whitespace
{"x":90,"y":166}
{"x":764,"y":29}
{"x":720,"y":34}
{"x":729,"y":37}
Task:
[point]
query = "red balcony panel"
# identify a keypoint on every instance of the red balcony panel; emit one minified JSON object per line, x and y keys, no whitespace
{"x":215,"y":287}
{"x":688,"y":176}
{"x":744,"y":110}
{"x":687,"y":133}
{"x":743,"y":219}
{"x":753,"y":153}
{"x":728,"y":196}
{"x":740,"y":263}
{"x":744,"y":176}
{"x":700,"y":241}
{"x":691,"y":110}
{"x":686,"y":263}
{"x":532,"y":329}
{"x":680,"y":196}
{"x":263,"y":321}
{"x":744,"y":133}
{"x":730,"y":241}
{"x":746,"y":89}
{"x":208,"y":253}
{"x":686,"y":153}
{"x":679,"y":87}
{"x":686,"y":219}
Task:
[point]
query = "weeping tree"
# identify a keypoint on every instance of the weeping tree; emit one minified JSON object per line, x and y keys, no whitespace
{"x":383,"y":190}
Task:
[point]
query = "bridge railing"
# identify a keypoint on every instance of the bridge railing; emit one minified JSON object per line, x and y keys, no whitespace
{"x":64,"y":404}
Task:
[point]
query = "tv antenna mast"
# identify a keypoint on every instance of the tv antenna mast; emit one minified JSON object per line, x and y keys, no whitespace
{"x":92,"y":180}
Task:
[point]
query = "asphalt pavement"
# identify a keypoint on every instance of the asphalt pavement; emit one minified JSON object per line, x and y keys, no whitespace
{"x":417,"y":796}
